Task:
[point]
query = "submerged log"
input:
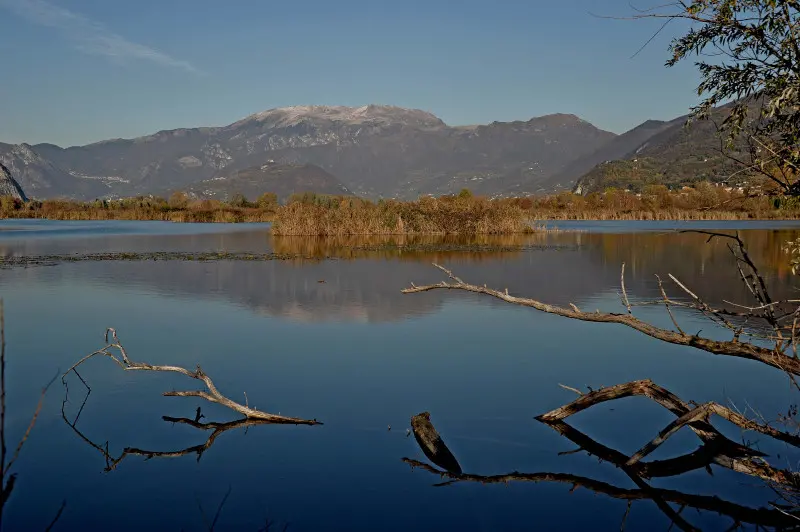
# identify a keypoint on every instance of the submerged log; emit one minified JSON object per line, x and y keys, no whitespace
{"x":432,"y":444}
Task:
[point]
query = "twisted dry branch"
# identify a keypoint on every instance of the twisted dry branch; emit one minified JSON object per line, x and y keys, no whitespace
{"x":772,"y":357}
{"x":213,"y":394}
{"x":721,"y":450}
{"x":434,"y":449}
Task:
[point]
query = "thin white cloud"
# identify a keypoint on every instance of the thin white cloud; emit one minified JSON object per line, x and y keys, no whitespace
{"x":90,"y":36}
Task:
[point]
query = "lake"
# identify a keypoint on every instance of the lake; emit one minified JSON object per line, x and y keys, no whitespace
{"x":322,"y":331}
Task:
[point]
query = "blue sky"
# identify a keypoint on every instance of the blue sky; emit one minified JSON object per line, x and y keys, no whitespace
{"x":79,"y":71}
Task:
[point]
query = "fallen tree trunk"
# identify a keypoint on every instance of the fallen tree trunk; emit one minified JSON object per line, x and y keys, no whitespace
{"x":432,"y":444}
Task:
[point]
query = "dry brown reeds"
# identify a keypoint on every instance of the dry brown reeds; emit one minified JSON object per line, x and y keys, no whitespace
{"x":139,"y":208}
{"x":312,"y":214}
{"x":433,"y":216}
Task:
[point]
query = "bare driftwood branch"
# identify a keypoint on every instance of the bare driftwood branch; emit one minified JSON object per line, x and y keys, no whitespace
{"x":762,"y":516}
{"x":570,"y":388}
{"x":666,"y":468}
{"x":625,"y":299}
{"x":772,"y":357}
{"x":213,"y":394}
{"x":666,"y":304}
{"x":696,"y":418}
{"x":716,"y":447}
{"x":216,"y":429}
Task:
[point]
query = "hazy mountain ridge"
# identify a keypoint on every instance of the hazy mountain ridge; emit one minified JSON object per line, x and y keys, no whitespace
{"x":38,"y":176}
{"x":374,"y":150}
{"x":677,"y":153}
{"x":281,"y":179}
{"x":618,"y":148}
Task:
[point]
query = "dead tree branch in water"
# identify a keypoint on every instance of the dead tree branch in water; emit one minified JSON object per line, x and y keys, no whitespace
{"x":694,"y":418}
{"x":213,"y":395}
{"x":718,"y":448}
{"x":764,"y":517}
{"x":773,"y":323}
{"x":216,"y":430}
{"x":777,"y":357}
{"x":715,"y":449}
{"x":777,"y":517}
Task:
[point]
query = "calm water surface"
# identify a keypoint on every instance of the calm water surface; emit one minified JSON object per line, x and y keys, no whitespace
{"x":360,"y":356}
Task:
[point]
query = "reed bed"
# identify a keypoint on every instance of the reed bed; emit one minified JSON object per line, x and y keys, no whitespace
{"x":435,"y":248}
{"x":431,"y":216}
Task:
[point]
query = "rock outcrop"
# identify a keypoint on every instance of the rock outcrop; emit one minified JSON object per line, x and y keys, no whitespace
{"x":9,"y":185}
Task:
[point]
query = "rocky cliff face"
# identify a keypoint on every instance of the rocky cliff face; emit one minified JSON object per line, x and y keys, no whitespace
{"x":373,"y":150}
{"x":9,"y":186}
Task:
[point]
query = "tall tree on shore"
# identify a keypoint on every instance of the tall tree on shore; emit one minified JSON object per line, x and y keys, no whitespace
{"x":748,"y":55}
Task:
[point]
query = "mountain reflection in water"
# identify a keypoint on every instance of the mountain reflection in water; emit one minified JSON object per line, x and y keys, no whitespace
{"x":347,"y":279}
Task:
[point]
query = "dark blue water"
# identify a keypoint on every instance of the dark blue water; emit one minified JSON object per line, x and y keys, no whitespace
{"x":356,"y":354}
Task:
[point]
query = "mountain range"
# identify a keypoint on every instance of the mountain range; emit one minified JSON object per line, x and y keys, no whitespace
{"x":373,"y":151}
{"x":281,"y":179}
{"x":671,"y":153}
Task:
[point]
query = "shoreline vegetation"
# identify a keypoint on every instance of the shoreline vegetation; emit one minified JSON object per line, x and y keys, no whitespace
{"x":178,"y":208}
{"x":462,"y":214}
{"x":310,"y":214}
